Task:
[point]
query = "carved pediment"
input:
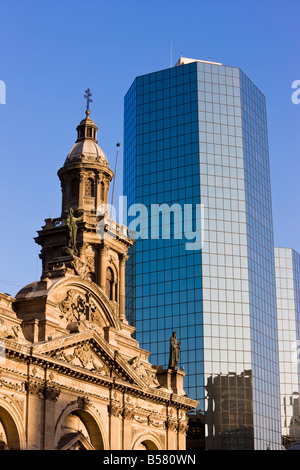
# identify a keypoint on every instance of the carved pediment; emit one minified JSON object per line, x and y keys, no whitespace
{"x":82,"y":355}
{"x":89,"y":351}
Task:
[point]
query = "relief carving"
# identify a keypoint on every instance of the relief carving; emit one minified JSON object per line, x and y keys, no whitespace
{"x":171,"y":425}
{"x":42,"y":390}
{"x":81,"y":267}
{"x":149,"y":376}
{"x":8,"y":331}
{"x":76,"y":307}
{"x":84,"y":354}
{"x":128,"y":414}
{"x":17,"y":387}
{"x":183,"y":428}
{"x":34,"y":388}
{"x":156,"y":424}
{"x":83,"y":403}
{"x":51,"y":393}
{"x":141,"y":419}
{"x":115,"y":410}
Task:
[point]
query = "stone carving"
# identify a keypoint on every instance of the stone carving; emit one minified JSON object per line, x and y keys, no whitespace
{"x":35,"y":388}
{"x":4,"y":331}
{"x":8,"y":331}
{"x":152,"y":379}
{"x":92,"y":220}
{"x":84,"y":354}
{"x":174,"y":351}
{"x":51,"y":393}
{"x":117,"y":396}
{"x":15,"y":329}
{"x":18,"y":387}
{"x":149,"y":376}
{"x":61,"y":354}
{"x":81,"y":267}
{"x":182,"y":428}
{"x":83,"y":403}
{"x":156,"y":424}
{"x":115,"y":410}
{"x":171,"y":425}
{"x":141,"y":419}
{"x":128,"y":414}
{"x":65,"y":306}
{"x":76,"y":308}
{"x":42,"y":390}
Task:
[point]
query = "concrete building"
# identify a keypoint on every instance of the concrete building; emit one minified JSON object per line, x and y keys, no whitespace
{"x":195,"y":142}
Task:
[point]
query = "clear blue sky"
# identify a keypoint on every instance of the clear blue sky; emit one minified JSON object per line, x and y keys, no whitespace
{"x":51,"y":51}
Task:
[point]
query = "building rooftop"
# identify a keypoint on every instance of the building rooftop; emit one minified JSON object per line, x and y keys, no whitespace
{"x":185,"y":60}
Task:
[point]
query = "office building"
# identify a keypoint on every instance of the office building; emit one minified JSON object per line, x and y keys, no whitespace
{"x":195,"y":141}
{"x":287,"y":268}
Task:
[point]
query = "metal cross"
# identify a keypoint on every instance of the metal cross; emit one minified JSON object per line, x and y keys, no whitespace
{"x":88,"y":98}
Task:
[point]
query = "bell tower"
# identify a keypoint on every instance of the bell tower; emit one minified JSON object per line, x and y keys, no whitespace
{"x":85,"y":176}
{"x":84,"y":240}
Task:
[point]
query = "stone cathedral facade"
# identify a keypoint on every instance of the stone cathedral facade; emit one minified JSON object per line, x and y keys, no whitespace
{"x":71,"y":374}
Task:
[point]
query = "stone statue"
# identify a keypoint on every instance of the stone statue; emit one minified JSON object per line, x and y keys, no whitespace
{"x":174,"y":351}
{"x":72,"y":230}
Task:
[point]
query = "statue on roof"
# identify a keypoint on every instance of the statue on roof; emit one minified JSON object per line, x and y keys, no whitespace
{"x":175,"y":346}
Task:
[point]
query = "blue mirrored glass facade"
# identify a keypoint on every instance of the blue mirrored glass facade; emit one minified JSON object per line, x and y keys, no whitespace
{"x":287,"y":265}
{"x":196,"y":134}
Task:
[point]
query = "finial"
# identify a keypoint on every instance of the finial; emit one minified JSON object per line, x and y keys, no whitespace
{"x":88,"y":101}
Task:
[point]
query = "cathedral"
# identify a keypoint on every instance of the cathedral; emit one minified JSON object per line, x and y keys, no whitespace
{"x":72,"y":377}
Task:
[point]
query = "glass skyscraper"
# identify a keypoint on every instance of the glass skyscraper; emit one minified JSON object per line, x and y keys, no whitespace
{"x":287,"y":268}
{"x":195,"y":141}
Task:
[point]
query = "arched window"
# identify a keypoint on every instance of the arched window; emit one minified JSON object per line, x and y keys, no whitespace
{"x":89,"y":188}
{"x":75,"y":187}
{"x":102,"y":191}
{"x":110,"y":284}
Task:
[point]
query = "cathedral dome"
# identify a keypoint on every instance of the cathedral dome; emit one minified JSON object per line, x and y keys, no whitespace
{"x":86,"y":149}
{"x":86,"y":146}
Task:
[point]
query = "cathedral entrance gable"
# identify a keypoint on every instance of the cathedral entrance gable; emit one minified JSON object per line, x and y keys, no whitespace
{"x":88,"y":350}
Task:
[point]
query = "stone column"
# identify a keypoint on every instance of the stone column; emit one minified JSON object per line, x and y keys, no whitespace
{"x":97,"y":192}
{"x":128,"y":414}
{"x":115,"y":416}
{"x":51,"y":394}
{"x":106,"y":188}
{"x":172,"y":428}
{"x":34,"y":412}
{"x":181,"y":438}
{"x":103,"y":266}
{"x":81,"y":189}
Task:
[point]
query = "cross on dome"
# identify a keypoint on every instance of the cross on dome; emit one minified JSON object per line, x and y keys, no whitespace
{"x":87,"y":96}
